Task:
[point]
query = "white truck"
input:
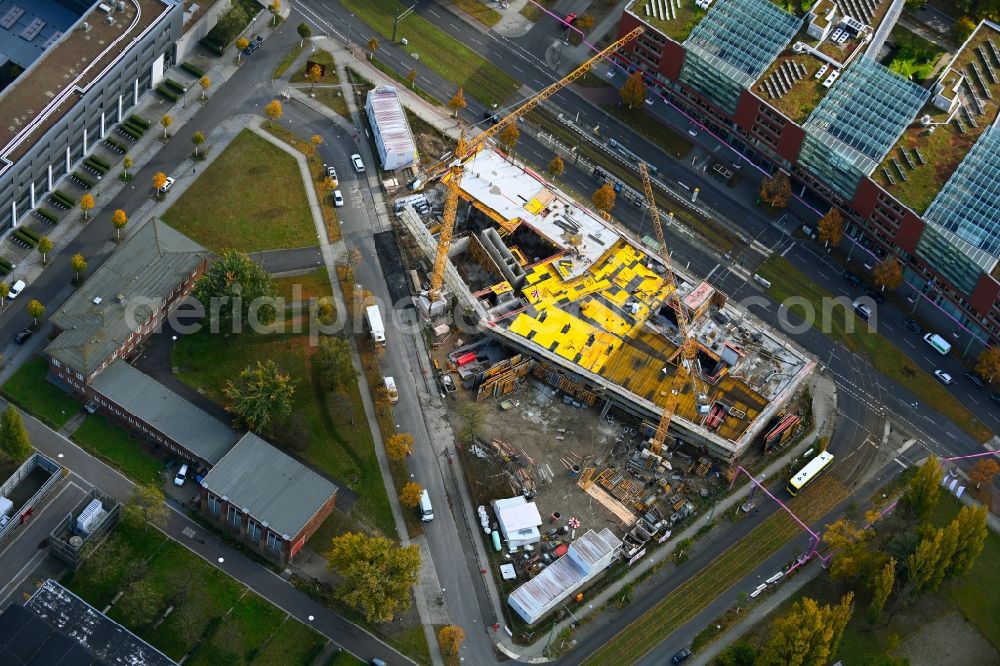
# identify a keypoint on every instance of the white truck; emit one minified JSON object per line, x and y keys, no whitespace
{"x":390,"y":386}
{"x":373,"y":321}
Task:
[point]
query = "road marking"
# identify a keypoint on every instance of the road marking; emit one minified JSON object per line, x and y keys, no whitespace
{"x":32,"y":563}
{"x":712,"y":272}
{"x":973,"y":400}
{"x":823,"y":275}
{"x":889,"y":327}
{"x":910,"y":343}
{"x":431,"y":11}
{"x":994,"y":418}
{"x":517,"y":68}
{"x":453,"y":26}
{"x":425,"y":79}
{"x":950,"y":434}
{"x":900,"y":463}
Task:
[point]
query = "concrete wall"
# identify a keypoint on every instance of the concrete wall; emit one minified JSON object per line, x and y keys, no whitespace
{"x":188,"y":42}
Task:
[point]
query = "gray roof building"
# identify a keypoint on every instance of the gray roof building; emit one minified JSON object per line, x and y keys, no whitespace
{"x":269,"y":485}
{"x":103,"y":641}
{"x":136,"y":281}
{"x":154,"y":404}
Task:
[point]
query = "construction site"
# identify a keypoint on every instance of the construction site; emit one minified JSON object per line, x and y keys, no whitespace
{"x":615,"y":389}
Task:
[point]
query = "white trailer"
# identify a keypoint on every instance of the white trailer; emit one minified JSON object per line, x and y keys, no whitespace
{"x":373,"y":321}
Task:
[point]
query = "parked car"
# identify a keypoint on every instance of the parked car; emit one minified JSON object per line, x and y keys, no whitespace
{"x":338,"y":198}
{"x":943,"y":377}
{"x":975,"y":380}
{"x":181,"y":475}
{"x":681,"y":656}
{"x":852,"y":279}
{"x":490,"y":116}
{"x":913,"y":326}
{"x":331,"y":173}
{"x":875,"y":295}
{"x":448,"y":384}
{"x":359,"y":166}
{"x":863,"y":311}
{"x":16,"y":289}
{"x":22,"y":336}
{"x":167,"y":185}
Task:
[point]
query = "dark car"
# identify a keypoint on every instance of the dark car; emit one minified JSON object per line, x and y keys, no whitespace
{"x":875,"y":295}
{"x":22,"y":336}
{"x":490,"y":116}
{"x":912,"y":325}
{"x":852,"y":279}
{"x":681,"y":656}
{"x":975,"y":380}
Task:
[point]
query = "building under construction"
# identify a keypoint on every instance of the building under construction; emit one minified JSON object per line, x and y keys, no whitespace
{"x":588,"y":305}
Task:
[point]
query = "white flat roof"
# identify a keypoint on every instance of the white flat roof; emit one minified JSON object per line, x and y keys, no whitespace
{"x":391,"y":120}
{"x":517,"y":514}
{"x":514,"y":192}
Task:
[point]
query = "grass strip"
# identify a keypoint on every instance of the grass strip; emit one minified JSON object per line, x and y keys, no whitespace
{"x":477,"y":10}
{"x":735,"y":563}
{"x":391,"y":73}
{"x":788,"y":282}
{"x":30,"y":389}
{"x":440,"y":52}
{"x":288,"y":61}
{"x":118,"y":448}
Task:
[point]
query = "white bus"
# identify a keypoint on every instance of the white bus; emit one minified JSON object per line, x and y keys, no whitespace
{"x":809,"y":472}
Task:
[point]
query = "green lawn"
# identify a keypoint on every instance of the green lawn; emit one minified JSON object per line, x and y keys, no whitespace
{"x":29,"y":389}
{"x":340,"y":443}
{"x":231,"y":621}
{"x":315,"y":284}
{"x":289,"y":60}
{"x":443,"y":54}
{"x":390,"y":72}
{"x":787,"y":282}
{"x":323,"y":58}
{"x":251,"y":198}
{"x":478,"y":10}
{"x":118,"y":448}
{"x":656,"y":131}
{"x":332,"y":98}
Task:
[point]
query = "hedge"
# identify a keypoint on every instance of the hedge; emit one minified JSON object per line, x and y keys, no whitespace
{"x":173,"y":85}
{"x":213,"y":46}
{"x":167,"y":93}
{"x":128,"y":132}
{"x":24,"y":238}
{"x":115,"y":144}
{"x":83,"y":179}
{"x":5,"y":267}
{"x":193,"y":70}
{"x":99,"y":162}
{"x":141,"y":122}
{"x":30,"y":233}
{"x":47,"y":215}
{"x":135,"y":129}
{"x":92,"y":163}
{"x":62,"y":198}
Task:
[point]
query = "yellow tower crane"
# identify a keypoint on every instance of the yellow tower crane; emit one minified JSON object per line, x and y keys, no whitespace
{"x":689,"y":346}
{"x":455,"y":165}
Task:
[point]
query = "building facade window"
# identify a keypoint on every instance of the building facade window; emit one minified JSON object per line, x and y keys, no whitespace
{"x":213,"y":503}
{"x":233,"y":516}
{"x":253,"y":529}
{"x":273,"y":542}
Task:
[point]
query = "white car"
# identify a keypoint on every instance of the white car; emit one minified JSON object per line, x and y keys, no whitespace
{"x":167,"y":185}
{"x":181,"y":475}
{"x":943,"y":377}
{"x":338,"y":198}
{"x":16,"y":289}
{"x":359,"y":166}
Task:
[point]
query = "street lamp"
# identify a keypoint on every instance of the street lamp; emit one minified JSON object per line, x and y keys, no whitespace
{"x":174,"y":338}
{"x":99,"y":185}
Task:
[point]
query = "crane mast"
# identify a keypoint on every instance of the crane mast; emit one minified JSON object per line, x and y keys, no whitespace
{"x":689,"y":346}
{"x":464,"y":148}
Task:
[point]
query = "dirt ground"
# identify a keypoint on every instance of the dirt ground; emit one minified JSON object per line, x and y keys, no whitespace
{"x":950,"y":639}
{"x":547,"y":430}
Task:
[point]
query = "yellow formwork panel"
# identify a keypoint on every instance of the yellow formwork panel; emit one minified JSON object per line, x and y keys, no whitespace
{"x":604,"y":317}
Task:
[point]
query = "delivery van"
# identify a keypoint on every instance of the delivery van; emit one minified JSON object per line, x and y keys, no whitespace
{"x":426,"y":510}
{"x":941,"y":346}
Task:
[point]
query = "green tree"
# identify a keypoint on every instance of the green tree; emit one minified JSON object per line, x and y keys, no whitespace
{"x":922,"y":564}
{"x":633,"y":93}
{"x":921,"y":494}
{"x":963,"y":28}
{"x":450,"y":638}
{"x":604,"y":199}
{"x":372,"y":48}
{"x":849,"y":544}
{"x":971,"y":538}
{"x":261,"y":396}
{"x":273,"y":111}
{"x":305,"y":32}
{"x":831,"y":227}
{"x":197,"y":139}
{"x":946,"y":539}
{"x":205,"y":84}
{"x":79,"y":265}
{"x":314,"y":74}
{"x":4,"y":292}
{"x":776,"y":191}
{"x":470,"y":415}
{"x":737,"y":654}
{"x":333,"y":363}
{"x":35,"y":310}
{"x":141,"y":603}
{"x":147,"y":506}
{"x":44,"y":247}
{"x":411,"y":77}
{"x":234,"y":288}
{"x":556,"y":167}
{"x":882,"y":587}
{"x":377,"y":574}
{"x":14,"y":440}
{"x":166,"y":121}
{"x":127,"y":164}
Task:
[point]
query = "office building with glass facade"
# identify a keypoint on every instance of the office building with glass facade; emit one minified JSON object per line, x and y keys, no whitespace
{"x":915,"y":170}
